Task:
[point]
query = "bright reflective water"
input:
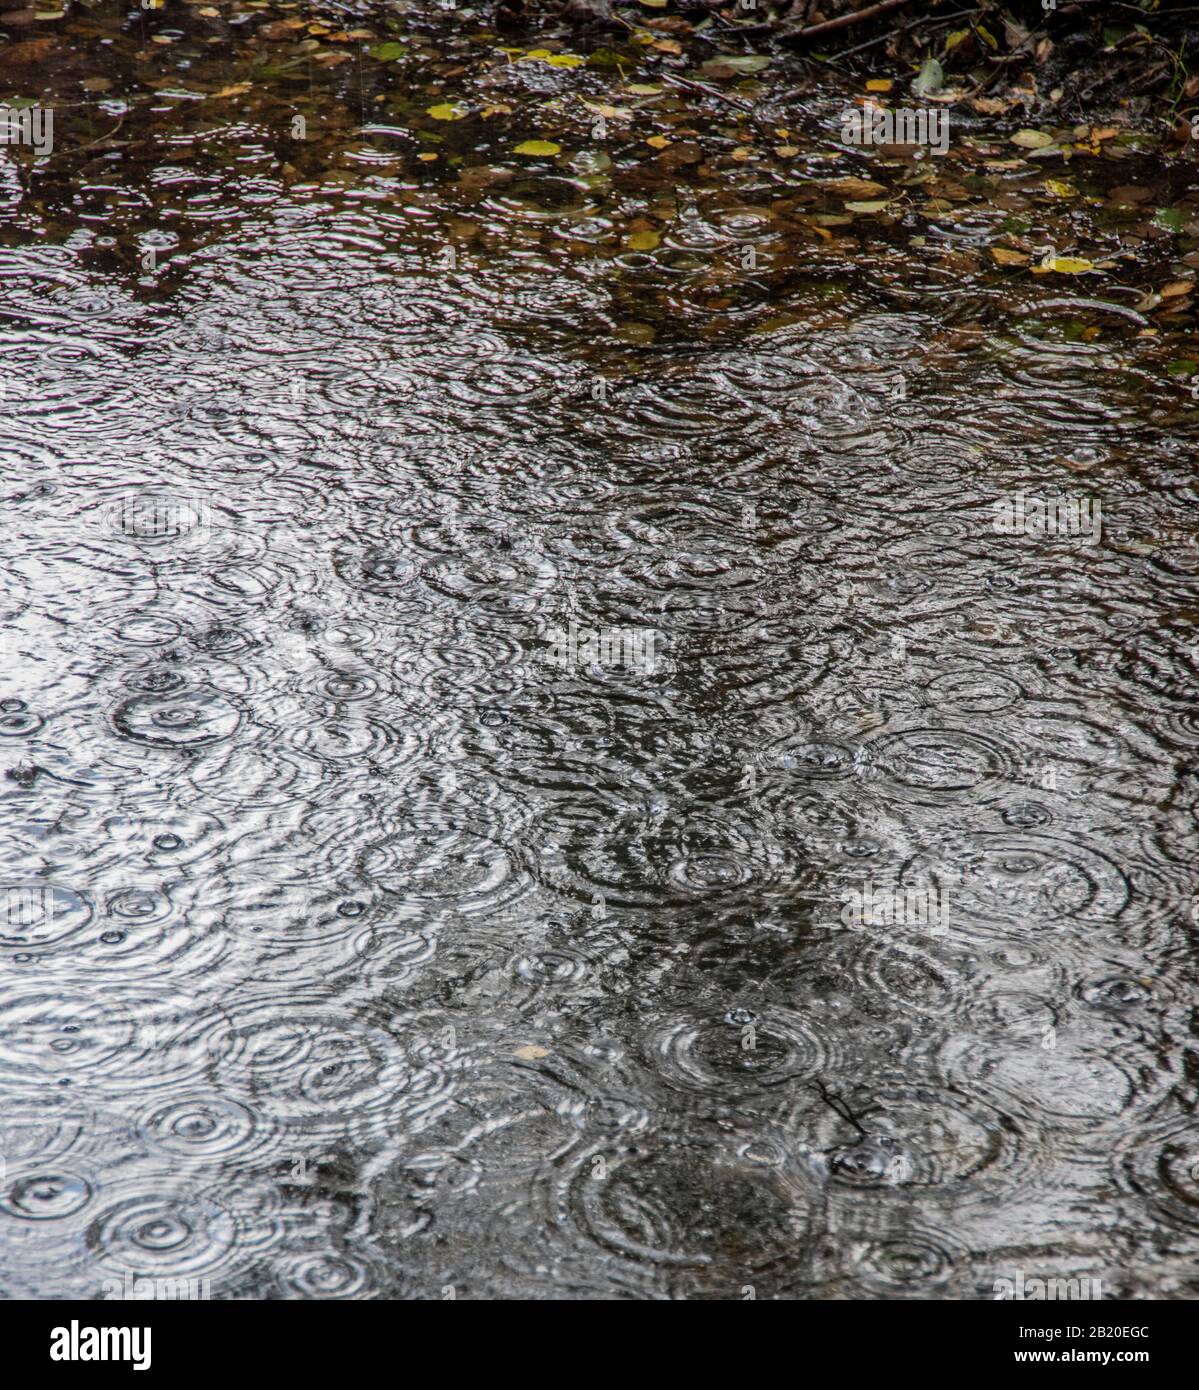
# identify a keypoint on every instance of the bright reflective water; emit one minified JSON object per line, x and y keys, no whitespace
{"x":363,"y":936}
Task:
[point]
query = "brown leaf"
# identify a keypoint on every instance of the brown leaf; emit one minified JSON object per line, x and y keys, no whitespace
{"x":280,"y":29}
{"x":850,"y":187}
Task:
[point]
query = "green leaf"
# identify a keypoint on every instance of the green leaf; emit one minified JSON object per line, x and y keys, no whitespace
{"x":931,"y":78}
{"x":1171,"y":219}
{"x":447,"y":111}
{"x":537,"y":147}
{"x":746,"y":62}
{"x":388,"y":52}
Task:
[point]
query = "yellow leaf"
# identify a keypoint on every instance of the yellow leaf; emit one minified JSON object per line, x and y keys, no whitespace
{"x":643,"y":89}
{"x":565,"y":60}
{"x":1067,"y":265}
{"x":531,"y":1052}
{"x":235,"y":91}
{"x":1176,"y":288}
{"x":786,"y":151}
{"x":644,"y":241}
{"x":539,"y":147}
{"x":1003,"y":256}
{"x":659,"y":142}
{"x":1032,"y":139}
{"x":426,"y":158}
{"x":447,"y":111}
{"x":879,"y":84}
{"x":1060,"y":189}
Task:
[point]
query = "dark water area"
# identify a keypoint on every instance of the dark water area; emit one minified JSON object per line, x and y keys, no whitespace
{"x":544,"y":751}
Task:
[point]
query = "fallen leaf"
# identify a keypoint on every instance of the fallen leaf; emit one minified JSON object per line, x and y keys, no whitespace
{"x":1176,"y":288}
{"x":873,"y":206}
{"x":879,"y":84}
{"x":1065,"y":265}
{"x":531,"y":1052}
{"x":746,"y":62}
{"x":447,"y":111}
{"x":1003,"y":256}
{"x":644,"y":241}
{"x":851,"y":187}
{"x":1032,"y":139}
{"x":931,"y":78}
{"x":537,"y":147}
{"x":659,"y":142}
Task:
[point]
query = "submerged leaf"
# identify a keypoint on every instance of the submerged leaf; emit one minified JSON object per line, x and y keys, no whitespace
{"x":1032,"y":139}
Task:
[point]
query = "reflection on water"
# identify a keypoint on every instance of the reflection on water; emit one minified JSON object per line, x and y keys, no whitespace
{"x":380,"y":922}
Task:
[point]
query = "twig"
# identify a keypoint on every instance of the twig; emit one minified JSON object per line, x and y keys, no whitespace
{"x":842,"y":21}
{"x":693,"y":86}
{"x":903,"y":29}
{"x":838,"y":1106}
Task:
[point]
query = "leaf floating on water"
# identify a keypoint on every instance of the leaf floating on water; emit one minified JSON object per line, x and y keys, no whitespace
{"x":879,"y":84}
{"x":447,"y":111}
{"x":744,"y":62}
{"x":659,"y":142}
{"x":1003,"y":256}
{"x":537,"y":147}
{"x":644,"y":241}
{"x":1059,"y":189}
{"x":531,"y":1052}
{"x":1032,"y":139}
{"x":1064,"y":265}
{"x":388,"y":52}
{"x":931,"y":78}
{"x":851,"y":187}
{"x":1176,"y":288}
{"x":876,"y":205}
